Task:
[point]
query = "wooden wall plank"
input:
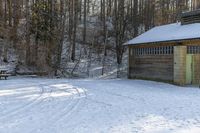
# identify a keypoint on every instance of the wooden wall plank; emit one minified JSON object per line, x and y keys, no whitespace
{"x":159,"y":67}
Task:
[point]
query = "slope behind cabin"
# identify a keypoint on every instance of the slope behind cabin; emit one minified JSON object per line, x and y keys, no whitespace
{"x":169,"y":53}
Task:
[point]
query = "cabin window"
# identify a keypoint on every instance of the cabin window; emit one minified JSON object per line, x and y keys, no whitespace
{"x":193,"y":49}
{"x":162,"y":50}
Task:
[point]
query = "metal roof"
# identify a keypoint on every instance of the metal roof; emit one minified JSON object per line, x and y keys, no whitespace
{"x":167,"y":33}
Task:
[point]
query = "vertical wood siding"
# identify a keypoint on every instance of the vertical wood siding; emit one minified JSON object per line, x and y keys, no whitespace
{"x":196,"y":67}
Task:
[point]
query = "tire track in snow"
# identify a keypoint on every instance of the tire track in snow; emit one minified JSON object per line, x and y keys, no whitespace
{"x":16,"y":110}
{"x":47,"y":91}
{"x":73,"y":104}
{"x":68,"y":111}
{"x":69,"y":103}
{"x":34,"y":102}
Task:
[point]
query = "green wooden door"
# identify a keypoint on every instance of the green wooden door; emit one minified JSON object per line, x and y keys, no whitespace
{"x":189,"y":68}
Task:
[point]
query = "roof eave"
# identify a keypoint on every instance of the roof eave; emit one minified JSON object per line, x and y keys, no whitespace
{"x":169,"y":41}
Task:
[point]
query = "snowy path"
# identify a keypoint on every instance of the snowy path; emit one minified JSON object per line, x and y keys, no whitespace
{"x":97,"y":106}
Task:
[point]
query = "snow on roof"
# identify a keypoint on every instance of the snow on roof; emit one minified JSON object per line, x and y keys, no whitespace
{"x":166,"y":33}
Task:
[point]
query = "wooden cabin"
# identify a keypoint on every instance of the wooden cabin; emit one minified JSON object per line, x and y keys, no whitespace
{"x":169,"y":53}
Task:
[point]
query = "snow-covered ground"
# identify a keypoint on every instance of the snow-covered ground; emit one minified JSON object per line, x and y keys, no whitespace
{"x":39,"y":105}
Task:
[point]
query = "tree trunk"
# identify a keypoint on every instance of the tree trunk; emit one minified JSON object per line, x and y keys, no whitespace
{"x":9,"y":4}
{"x":75,"y":17}
{"x":28,"y":50}
{"x":1,"y":8}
